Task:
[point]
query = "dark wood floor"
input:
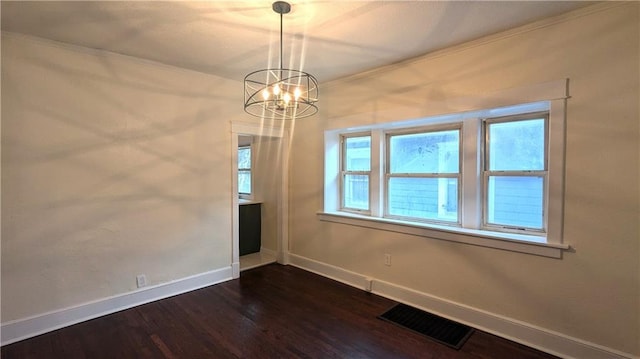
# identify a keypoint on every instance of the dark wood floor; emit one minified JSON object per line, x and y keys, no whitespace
{"x":270,"y":312}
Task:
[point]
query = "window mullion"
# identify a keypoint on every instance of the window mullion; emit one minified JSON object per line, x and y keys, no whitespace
{"x":376,"y":179}
{"x":471,"y":193}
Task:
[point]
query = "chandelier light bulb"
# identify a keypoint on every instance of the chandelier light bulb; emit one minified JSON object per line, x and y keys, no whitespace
{"x":265,"y":94}
{"x":297,"y":93}
{"x":286,"y":97}
{"x":276,"y":89}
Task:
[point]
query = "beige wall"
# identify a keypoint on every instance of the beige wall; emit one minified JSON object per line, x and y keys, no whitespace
{"x":111,"y":167}
{"x":267,"y":182}
{"x":593,"y":293}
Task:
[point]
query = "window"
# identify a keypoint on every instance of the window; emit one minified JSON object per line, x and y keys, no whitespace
{"x":492,"y":177}
{"x":515,"y":172}
{"x":356,"y":170}
{"x":424,"y":169}
{"x":422,"y":175}
{"x":244,"y":171}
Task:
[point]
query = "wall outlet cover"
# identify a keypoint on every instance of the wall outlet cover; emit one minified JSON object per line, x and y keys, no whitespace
{"x":141,"y":280}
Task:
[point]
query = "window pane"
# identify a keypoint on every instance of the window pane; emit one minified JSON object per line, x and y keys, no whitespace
{"x":357,"y":153}
{"x":425,"y":198}
{"x":516,"y":145}
{"x":244,"y":157}
{"x":244,"y":182}
{"x":356,"y":191}
{"x":515,"y":201}
{"x":432,"y":152}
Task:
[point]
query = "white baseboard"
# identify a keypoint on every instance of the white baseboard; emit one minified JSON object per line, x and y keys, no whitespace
{"x":525,"y":333}
{"x":20,"y":329}
{"x":235,"y":270}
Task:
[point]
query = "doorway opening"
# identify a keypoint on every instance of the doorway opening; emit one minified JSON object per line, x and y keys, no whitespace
{"x":260,"y":196}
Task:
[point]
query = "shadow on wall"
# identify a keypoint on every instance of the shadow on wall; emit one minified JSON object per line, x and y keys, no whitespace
{"x":110,"y":168}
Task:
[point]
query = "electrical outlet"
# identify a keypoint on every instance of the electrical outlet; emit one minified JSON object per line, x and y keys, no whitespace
{"x":141,"y":280}
{"x":387,"y":259}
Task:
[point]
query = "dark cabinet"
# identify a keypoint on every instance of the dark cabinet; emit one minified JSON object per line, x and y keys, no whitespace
{"x":250,"y":231}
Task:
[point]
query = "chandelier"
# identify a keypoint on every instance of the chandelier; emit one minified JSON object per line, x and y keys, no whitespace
{"x":284,"y":94}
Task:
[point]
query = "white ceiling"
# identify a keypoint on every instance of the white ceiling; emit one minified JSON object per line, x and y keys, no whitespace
{"x":329,"y":39}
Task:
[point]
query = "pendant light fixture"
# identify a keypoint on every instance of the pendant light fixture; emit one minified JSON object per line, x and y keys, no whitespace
{"x":283,"y":94}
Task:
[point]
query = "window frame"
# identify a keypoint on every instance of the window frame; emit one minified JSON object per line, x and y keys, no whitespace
{"x":552,"y":96}
{"x":487,"y":173}
{"x":386,"y":160}
{"x":344,"y":172}
{"x":244,"y":195}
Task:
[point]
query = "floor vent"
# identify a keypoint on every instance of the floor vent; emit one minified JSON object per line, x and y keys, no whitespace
{"x":441,"y":330}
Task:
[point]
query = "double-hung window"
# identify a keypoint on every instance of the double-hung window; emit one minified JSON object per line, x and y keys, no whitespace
{"x":515,"y":173}
{"x":355,"y":172}
{"x":244,"y":172}
{"x":423,"y":175}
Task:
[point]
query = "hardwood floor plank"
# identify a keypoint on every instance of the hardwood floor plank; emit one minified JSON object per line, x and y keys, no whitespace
{"x":270,"y":312}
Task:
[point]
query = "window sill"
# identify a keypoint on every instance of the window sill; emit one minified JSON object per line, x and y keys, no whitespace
{"x":505,"y":241}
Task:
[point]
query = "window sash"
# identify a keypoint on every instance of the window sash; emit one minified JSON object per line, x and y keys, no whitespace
{"x":515,"y":118}
{"x":440,"y":201}
{"x":245,"y":170}
{"x":344,"y":173}
{"x":246,"y":148}
{"x":457,"y":126}
{"x":515,"y":228}
{"x":542,"y":173}
{"x":451,"y":175}
{"x":350,"y":186}
{"x":241,"y":172}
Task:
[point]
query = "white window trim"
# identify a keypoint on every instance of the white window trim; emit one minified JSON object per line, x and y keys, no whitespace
{"x":553,"y":95}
